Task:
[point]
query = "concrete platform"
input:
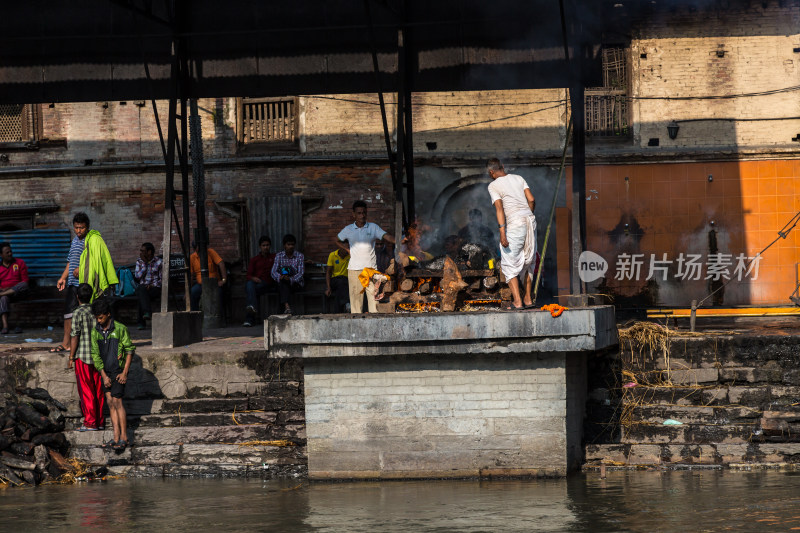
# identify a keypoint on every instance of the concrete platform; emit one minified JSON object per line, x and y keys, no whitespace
{"x":577,"y":330}
{"x":485,"y":394}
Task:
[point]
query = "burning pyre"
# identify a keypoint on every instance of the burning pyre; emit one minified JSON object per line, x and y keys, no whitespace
{"x":463,"y":279}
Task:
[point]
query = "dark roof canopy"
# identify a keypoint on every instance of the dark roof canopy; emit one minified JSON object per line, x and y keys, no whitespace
{"x":90,"y":50}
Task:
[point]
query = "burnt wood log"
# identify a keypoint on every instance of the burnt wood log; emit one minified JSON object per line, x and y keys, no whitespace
{"x":52,"y":440}
{"x":41,"y":458}
{"x":28,"y":476}
{"x":21,"y":448}
{"x":490,"y":282}
{"x":505,"y":294}
{"x":32,"y":417}
{"x":451,"y":284}
{"x":5,"y":442}
{"x":16,"y":462}
{"x":36,"y":404}
{"x":407,"y":284}
{"x":41,"y":394}
{"x":58,"y":462}
{"x":10,"y":476}
{"x":425,"y":288}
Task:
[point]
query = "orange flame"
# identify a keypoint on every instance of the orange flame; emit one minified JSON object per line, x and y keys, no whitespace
{"x":418,"y":307}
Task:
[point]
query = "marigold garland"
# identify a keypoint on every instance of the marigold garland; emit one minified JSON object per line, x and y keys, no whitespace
{"x":555,"y":309}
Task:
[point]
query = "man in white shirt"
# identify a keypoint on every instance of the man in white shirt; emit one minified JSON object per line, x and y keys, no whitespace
{"x":358,"y":239}
{"x":514,"y":204}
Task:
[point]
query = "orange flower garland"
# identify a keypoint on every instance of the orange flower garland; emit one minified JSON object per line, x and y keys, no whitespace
{"x":555,"y":309}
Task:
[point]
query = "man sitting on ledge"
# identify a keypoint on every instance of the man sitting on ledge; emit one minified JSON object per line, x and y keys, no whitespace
{"x":288,"y":271}
{"x":13,"y":282}
{"x":147,"y":274}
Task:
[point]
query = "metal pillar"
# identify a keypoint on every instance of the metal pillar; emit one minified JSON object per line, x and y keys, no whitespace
{"x":400,"y":161}
{"x":211,"y":305}
{"x":578,"y":184}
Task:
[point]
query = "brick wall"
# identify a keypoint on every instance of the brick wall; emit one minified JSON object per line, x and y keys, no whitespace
{"x":128,"y":209}
{"x":744,"y":51}
{"x":478,"y":414}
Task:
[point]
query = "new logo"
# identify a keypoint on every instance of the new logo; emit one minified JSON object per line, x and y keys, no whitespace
{"x":591,"y":267}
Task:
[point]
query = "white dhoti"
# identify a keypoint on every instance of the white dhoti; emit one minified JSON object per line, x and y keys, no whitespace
{"x":519,"y":256}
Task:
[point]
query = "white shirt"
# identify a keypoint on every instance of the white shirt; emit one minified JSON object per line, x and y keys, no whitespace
{"x":362,"y":244}
{"x":511,"y":190}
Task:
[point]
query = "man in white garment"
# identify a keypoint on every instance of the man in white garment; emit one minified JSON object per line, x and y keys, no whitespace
{"x":358,"y":240}
{"x":514,"y":203}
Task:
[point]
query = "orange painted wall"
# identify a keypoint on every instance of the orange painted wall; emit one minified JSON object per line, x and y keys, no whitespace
{"x":670,"y":207}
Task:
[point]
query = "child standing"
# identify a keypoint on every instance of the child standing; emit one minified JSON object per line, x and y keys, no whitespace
{"x":112,"y":351}
{"x":90,"y":384}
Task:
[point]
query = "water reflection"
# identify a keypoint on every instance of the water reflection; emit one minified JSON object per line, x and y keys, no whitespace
{"x":625,"y":501}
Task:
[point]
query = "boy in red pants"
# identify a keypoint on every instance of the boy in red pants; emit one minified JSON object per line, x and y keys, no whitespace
{"x":90,"y":385}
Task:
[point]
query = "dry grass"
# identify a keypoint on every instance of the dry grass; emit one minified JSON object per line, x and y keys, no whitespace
{"x":254,"y":443}
{"x":640,"y":345}
{"x":77,"y":470}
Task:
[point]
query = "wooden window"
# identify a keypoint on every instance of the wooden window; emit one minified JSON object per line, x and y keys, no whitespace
{"x":20,"y":123}
{"x":608,"y":107}
{"x":267,"y":122}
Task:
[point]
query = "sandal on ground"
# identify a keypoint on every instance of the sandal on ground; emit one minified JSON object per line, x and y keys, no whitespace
{"x":58,"y":349}
{"x":513,"y":307}
{"x":528,"y":306}
{"x":110,"y":444}
{"x":120,"y":446}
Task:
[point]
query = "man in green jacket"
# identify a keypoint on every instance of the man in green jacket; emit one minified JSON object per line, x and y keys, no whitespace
{"x":96,"y":266}
{"x":112,"y":351}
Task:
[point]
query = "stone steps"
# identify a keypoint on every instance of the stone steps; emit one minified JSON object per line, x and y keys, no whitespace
{"x":216,"y":454}
{"x":149,"y":436}
{"x":213,"y":436}
{"x":695,"y":414}
{"x":651,"y":433}
{"x":692,"y":454}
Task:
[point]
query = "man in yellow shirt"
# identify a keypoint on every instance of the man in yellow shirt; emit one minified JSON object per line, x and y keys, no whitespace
{"x":216,"y":270}
{"x":336,"y":279}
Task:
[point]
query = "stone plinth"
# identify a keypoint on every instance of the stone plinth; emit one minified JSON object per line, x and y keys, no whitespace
{"x":178,"y":328}
{"x":443,"y":394}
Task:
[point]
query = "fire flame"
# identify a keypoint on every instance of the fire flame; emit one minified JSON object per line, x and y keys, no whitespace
{"x":419,"y":307}
{"x":412,"y":241}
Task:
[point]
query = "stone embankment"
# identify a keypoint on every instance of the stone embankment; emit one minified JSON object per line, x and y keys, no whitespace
{"x":209,"y":412}
{"x":713,"y":399}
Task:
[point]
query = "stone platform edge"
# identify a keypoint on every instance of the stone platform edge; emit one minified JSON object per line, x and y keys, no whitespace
{"x":576,"y":330}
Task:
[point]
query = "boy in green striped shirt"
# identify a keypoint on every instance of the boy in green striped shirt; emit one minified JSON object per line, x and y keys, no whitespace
{"x":112,"y":351}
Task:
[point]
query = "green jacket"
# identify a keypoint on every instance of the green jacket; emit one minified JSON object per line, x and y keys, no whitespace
{"x":96,"y":266}
{"x":111,"y":346}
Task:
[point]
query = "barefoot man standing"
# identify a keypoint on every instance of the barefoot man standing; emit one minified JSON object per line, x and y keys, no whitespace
{"x":514,"y":204}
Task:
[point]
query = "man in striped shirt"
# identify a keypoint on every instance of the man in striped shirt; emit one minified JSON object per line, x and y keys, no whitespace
{"x":147,"y":274}
{"x":69,"y":279}
{"x":288,"y":271}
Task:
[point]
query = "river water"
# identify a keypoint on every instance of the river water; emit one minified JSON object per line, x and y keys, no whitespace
{"x":679,"y":501}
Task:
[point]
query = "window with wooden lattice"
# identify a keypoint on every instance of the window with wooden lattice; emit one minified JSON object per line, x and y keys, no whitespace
{"x":267,"y":122}
{"x":20,"y":123}
{"x":608,"y":107}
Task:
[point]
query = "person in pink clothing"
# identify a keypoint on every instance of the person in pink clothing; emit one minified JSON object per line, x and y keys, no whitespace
{"x":13,"y":283}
